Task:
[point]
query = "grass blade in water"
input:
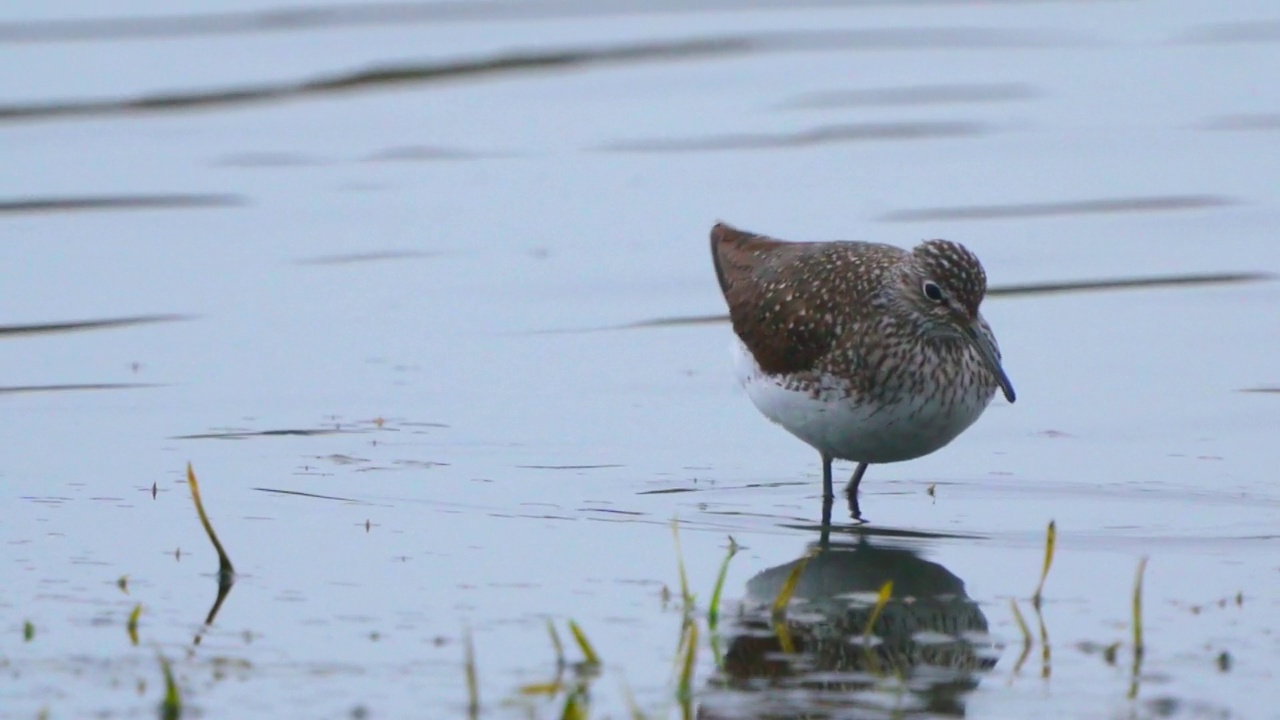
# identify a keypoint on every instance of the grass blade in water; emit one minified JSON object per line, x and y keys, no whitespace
{"x":685,"y":596}
{"x":1027,"y":640}
{"x":713,"y":612}
{"x":789,"y":587}
{"x":783,"y":599}
{"x":225,"y":569}
{"x":555,"y":642}
{"x":171,"y":705}
{"x":588,"y":653}
{"x":132,"y":626}
{"x":1139,"y":647}
{"x":575,"y":706}
{"x":473,"y":684}
{"x":633,"y":708}
{"x":1051,"y":538}
{"x":1046,"y":652}
{"x":882,"y":599}
{"x":684,"y":692}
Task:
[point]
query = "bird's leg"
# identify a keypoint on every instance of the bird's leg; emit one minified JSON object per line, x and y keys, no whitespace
{"x":828,"y":496}
{"x":827,"y":493}
{"x":852,"y":491}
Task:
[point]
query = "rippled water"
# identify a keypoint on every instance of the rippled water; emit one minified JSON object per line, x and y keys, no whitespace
{"x":422,"y":291}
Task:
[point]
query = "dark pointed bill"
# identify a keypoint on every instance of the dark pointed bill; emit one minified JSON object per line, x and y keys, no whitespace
{"x":987,"y":350}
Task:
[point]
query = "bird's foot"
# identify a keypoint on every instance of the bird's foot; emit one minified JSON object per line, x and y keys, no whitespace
{"x":855,"y":510}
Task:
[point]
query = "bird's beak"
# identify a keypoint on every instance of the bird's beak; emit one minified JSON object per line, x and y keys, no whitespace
{"x":987,"y":350}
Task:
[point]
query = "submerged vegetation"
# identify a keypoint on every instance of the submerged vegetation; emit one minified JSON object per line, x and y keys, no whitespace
{"x":855,"y":624}
{"x":878,"y":640}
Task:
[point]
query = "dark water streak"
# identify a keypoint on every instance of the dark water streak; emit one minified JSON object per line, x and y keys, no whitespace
{"x":302,"y":19}
{"x":409,"y":73}
{"x":23,"y":389}
{"x":245,"y":434}
{"x":115,"y":202}
{"x":80,"y":325}
{"x":849,"y":132}
{"x":1050,"y":209}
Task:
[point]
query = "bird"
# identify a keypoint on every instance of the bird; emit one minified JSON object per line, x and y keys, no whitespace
{"x":866,"y":351}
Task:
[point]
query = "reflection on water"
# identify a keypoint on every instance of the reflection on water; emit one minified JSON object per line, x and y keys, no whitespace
{"x":1064,"y":208}
{"x":1256,"y":31}
{"x":937,"y":94}
{"x":1260,"y":121}
{"x":929,"y":645}
{"x":1049,"y":132}
{"x":850,"y":132}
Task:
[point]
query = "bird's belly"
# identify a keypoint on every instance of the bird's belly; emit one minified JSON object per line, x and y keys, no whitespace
{"x":843,"y":426}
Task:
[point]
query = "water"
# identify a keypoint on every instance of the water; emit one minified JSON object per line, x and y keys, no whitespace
{"x":420,"y":271}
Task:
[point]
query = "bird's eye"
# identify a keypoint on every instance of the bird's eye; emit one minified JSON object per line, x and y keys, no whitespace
{"x":932,"y":291}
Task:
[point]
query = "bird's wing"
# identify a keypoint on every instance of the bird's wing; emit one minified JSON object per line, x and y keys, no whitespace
{"x":785,"y":325}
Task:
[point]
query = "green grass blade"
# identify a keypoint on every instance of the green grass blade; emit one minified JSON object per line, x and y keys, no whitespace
{"x":1027,"y":640}
{"x":685,"y":595}
{"x":882,"y":599}
{"x":713,"y":612}
{"x":717,"y":654}
{"x":171,"y":705}
{"x":575,"y":706}
{"x":783,"y":632}
{"x":473,"y":684}
{"x":555,"y":643}
{"x":1023,"y":628}
{"x":225,"y":569}
{"x":549,"y":689}
{"x":789,"y":586}
{"x":132,"y":626}
{"x":1051,"y":538}
{"x":588,"y":653}
{"x":1139,"y":647}
{"x":633,"y":708}
{"x":1046,"y":651}
{"x":684,"y":691}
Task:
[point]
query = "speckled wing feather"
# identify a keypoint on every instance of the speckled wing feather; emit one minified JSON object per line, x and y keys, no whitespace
{"x":785,"y":325}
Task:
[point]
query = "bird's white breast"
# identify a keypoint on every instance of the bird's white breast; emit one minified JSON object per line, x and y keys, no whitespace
{"x":841,"y":425}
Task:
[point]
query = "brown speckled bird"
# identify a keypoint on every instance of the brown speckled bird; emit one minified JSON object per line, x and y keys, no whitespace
{"x":867,"y":352}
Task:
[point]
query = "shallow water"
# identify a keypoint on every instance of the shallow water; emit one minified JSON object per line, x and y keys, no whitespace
{"x":373,"y":278}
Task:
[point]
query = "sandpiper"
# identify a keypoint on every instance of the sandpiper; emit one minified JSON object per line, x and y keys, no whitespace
{"x":865,"y":351}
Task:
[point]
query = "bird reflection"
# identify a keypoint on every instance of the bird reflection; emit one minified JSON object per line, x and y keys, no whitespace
{"x":930,"y":644}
